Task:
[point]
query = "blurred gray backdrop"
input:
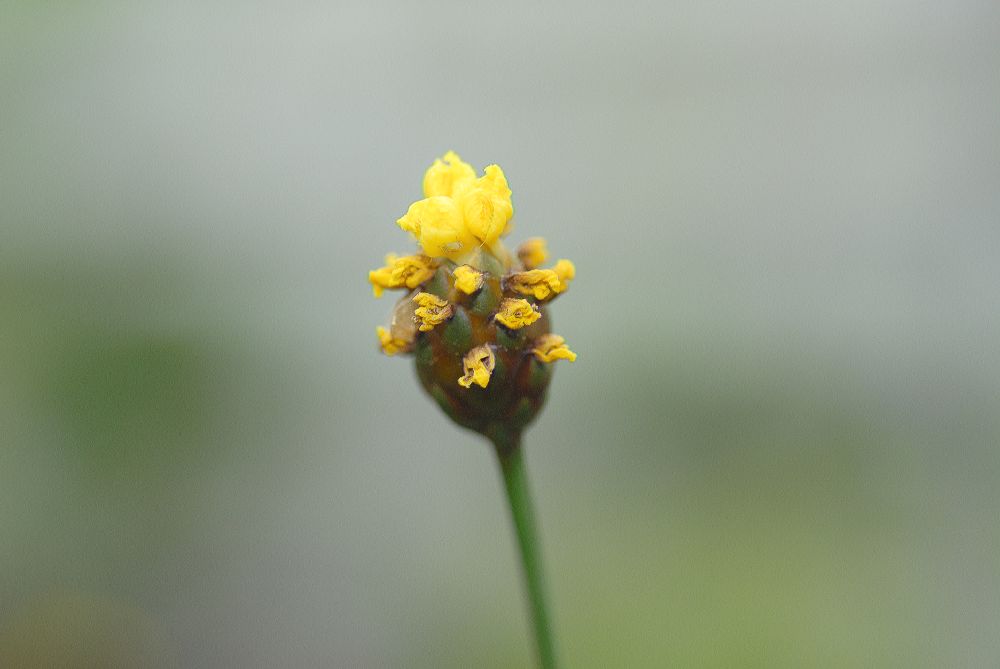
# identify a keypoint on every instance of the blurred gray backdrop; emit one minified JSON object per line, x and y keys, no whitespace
{"x":778,"y":447}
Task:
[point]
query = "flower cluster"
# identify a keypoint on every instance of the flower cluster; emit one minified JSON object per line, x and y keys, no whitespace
{"x":473,"y":315}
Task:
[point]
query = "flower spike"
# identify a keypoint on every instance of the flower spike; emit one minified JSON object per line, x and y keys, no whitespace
{"x":473,"y":311}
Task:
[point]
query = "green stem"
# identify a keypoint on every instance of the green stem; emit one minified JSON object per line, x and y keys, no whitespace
{"x":508,"y":447}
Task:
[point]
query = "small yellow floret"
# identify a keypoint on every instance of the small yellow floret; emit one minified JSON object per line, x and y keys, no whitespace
{"x":539,"y":283}
{"x":431,"y":310}
{"x":552,"y":347}
{"x":566,"y":271}
{"x":479,"y":363}
{"x":468,"y":279}
{"x":517,"y":313}
{"x":391,"y":345}
{"x":401,"y":272}
{"x":532,"y":252}
{"x":411,"y":271}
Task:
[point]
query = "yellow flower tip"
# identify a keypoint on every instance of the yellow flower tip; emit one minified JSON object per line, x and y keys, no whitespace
{"x":446,"y":175}
{"x":533,"y":252}
{"x":516,"y":313}
{"x":538,"y":283}
{"x":405,"y":272}
{"x":391,"y":345}
{"x":431,"y":310}
{"x":478,"y":363}
{"x":552,"y":347}
{"x":468,"y":279}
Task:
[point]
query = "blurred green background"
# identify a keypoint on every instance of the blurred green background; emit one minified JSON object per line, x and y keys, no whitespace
{"x":777,"y":449}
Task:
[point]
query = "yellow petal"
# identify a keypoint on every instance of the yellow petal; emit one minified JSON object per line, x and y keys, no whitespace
{"x":446,"y":174}
{"x":482,"y":218}
{"x":467,"y":279}
{"x":380,"y":279}
{"x":552,"y":347}
{"x":516,"y":313}
{"x":438,"y":225}
{"x":494,"y":183}
{"x":486,"y":206}
{"x":478,"y":364}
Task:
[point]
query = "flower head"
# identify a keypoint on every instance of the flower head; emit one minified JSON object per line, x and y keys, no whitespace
{"x":474,"y":315}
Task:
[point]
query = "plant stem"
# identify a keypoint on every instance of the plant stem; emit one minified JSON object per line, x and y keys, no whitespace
{"x":511,"y":457}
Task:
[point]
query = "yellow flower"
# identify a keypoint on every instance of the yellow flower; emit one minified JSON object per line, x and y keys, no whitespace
{"x":551,"y":347}
{"x":539,"y":283}
{"x":478,"y":363}
{"x":446,"y":174}
{"x":405,"y":272}
{"x":467,"y":279}
{"x":532,"y":252}
{"x":431,"y":310}
{"x":516,"y":313}
{"x":460,"y":213}
{"x":391,"y":345}
{"x":543,"y":283}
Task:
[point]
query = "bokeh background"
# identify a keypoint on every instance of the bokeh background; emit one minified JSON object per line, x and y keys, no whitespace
{"x":779,"y":445}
